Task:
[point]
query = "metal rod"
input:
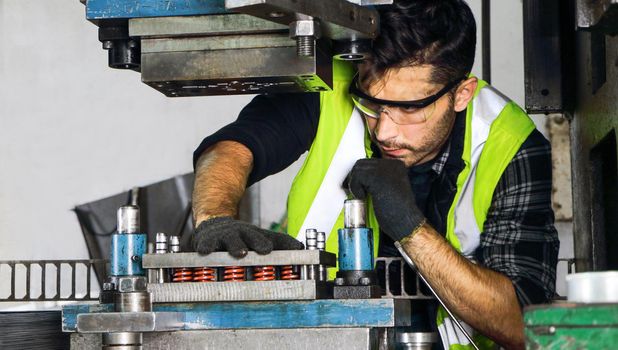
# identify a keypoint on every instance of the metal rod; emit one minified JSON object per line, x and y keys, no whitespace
{"x":486,"y":39}
{"x":406,"y":257}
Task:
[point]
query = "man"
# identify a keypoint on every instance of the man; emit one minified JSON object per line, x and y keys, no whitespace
{"x":454,"y":171}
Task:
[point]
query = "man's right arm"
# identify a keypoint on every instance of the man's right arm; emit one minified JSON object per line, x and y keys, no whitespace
{"x":221,"y":174}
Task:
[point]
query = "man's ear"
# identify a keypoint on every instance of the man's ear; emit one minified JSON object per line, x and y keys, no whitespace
{"x":465,"y":93}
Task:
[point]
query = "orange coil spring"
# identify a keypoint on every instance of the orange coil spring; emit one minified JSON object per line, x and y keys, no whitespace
{"x":288,"y":273}
{"x":234,"y":274}
{"x":204,"y":274}
{"x":264,"y":273}
{"x":182,"y":275}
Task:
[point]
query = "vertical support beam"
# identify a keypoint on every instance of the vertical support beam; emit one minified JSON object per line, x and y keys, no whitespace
{"x":486,"y":39}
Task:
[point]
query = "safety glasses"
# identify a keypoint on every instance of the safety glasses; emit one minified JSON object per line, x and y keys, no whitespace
{"x":401,"y":112}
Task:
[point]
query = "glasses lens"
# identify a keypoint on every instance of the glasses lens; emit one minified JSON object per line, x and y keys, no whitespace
{"x":366,"y":107}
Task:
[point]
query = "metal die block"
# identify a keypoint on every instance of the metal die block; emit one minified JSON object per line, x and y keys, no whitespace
{"x":113,"y":322}
{"x":357,"y":292}
{"x":222,"y":259}
{"x":258,"y":339}
{"x":238,"y":71}
{"x":339,"y":19}
{"x":327,"y":313}
{"x":244,"y":291}
{"x":229,"y":24}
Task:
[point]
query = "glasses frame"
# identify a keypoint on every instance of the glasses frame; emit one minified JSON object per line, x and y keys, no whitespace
{"x":422,"y":103}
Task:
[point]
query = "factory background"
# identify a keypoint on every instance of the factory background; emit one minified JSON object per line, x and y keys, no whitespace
{"x":73,"y":130}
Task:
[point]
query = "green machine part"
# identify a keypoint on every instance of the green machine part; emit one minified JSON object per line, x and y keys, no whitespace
{"x":568,"y":326}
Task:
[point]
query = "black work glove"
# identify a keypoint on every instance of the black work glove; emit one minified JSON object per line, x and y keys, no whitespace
{"x":238,"y":237}
{"x":386,"y":180}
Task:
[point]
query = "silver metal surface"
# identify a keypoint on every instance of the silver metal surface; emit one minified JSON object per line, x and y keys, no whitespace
{"x":132,"y":302}
{"x":47,"y":280}
{"x":122,"y":339}
{"x":599,"y":14}
{"x":259,"y":67}
{"x":448,"y":311}
{"x":213,"y":25}
{"x":161,"y":248}
{"x":417,"y":340}
{"x":245,"y":291}
{"x":354,"y":213}
{"x":339,"y":19}
{"x":130,"y":283}
{"x":174,"y":244}
{"x":128,"y":219}
{"x":222,"y":259}
{"x":321,"y":245}
{"x":311,"y":239}
{"x":258,"y":339}
{"x":135,"y":322}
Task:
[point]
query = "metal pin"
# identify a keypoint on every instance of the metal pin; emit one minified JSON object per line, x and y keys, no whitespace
{"x":128,"y":219}
{"x":354,"y":213}
{"x":161,"y":248}
{"x":174,"y":244}
{"x":321,"y":245}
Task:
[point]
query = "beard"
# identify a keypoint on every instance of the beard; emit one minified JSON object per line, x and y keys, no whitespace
{"x":426,"y":146}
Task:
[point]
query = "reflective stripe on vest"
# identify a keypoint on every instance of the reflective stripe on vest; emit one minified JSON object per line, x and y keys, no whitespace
{"x":316,"y":197}
{"x":495,"y":130}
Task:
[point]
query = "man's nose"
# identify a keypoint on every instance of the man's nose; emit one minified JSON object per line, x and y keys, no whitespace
{"x":385,"y":129}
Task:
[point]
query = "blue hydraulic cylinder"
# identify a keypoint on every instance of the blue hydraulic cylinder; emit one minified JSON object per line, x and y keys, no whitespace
{"x":355,"y":249}
{"x":126,"y":254}
{"x":128,"y":245}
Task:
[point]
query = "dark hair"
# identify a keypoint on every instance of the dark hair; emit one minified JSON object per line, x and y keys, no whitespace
{"x":441,"y":33}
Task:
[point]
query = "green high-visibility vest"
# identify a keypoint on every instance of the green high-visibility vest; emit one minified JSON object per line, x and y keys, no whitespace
{"x":495,"y":130}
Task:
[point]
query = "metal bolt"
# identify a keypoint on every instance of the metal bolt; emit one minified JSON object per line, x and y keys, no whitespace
{"x":305,"y":31}
{"x":339,"y":281}
{"x":365,"y":281}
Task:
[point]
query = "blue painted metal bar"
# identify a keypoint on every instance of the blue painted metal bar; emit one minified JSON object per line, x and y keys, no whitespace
{"x":296,"y":314}
{"x":122,"y":9}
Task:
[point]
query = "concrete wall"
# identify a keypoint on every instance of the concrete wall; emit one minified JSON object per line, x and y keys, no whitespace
{"x":73,"y":131}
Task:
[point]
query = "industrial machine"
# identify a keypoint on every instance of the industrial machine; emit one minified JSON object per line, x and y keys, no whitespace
{"x":223,"y":47}
{"x":283,"y":299}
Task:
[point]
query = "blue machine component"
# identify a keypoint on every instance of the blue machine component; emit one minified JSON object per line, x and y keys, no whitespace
{"x":123,"y":9}
{"x":126,"y":254}
{"x":274,"y":315}
{"x":355,"y":249}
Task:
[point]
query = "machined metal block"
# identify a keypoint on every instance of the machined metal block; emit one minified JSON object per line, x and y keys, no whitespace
{"x":327,"y":313}
{"x":258,"y":339}
{"x":213,"y":25}
{"x":243,"y":291}
{"x":339,"y":19}
{"x":253,"y":70}
{"x":222,"y":259}
{"x":110,"y":322}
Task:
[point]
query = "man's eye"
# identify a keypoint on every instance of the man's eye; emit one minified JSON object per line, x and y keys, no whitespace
{"x":409,"y":110}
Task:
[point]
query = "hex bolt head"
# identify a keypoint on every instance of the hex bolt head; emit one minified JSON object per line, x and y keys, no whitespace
{"x":365,"y":281}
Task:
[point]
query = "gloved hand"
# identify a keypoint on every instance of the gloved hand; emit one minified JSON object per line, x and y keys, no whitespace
{"x":238,"y":237}
{"x":386,"y":180}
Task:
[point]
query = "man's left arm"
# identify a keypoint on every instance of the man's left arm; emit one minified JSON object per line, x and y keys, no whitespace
{"x":517,"y":256}
{"x":518,"y":251}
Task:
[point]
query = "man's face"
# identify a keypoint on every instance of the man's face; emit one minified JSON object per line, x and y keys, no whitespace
{"x":411,"y":143}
